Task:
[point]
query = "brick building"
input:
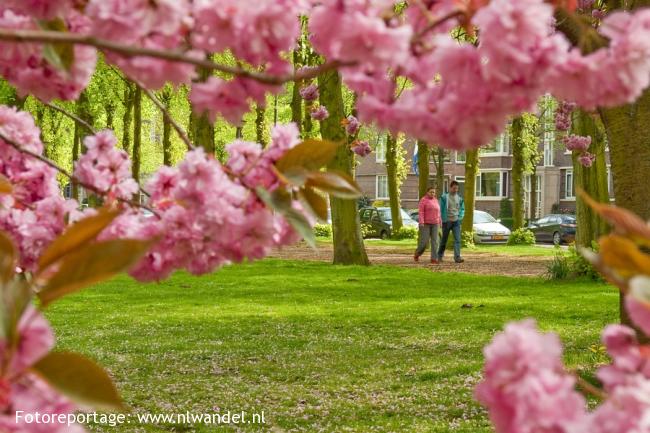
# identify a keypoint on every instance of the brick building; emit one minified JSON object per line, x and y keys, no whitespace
{"x":555,"y":187}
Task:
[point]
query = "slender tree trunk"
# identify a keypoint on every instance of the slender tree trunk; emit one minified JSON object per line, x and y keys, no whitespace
{"x":593,"y":180}
{"x":239,"y":132}
{"x":166,"y":98}
{"x":76,"y":147}
{"x":393,"y":182}
{"x":440,"y":170}
{"x":629,"y":151}
{"x":346,"y":228}
{"x":201,"y":129}
{"x":127,"y":118}
{"x":533,"y":193}
{"x":110,"y":117}
{"x":517,"y":173}
{"x":260,"y":124}
{"x":137,"y":135}
{"x":83,"y":112}
{"x":296,"y":100}
{"x":423,"y":168}
{"x":471,"y":171}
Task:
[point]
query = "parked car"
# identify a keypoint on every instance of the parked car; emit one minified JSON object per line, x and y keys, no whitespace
{"x":556,"y":228}
{"x":381,"y":221}
{"x":488,"y":230}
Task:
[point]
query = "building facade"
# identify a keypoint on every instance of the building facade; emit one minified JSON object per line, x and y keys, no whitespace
{"x":555,"y":183}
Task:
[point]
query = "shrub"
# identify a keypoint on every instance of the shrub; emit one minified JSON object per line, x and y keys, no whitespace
{"x":323,"y":230}
{"x":366,"y":229}
{"x":406,"y":233}
{"x":467,"y":239}
{"x":558,"y":268}
{"x":522,"y":236}
{"x":507,"y":221}
{"x":580,"y":267}
{"x":505,"y":208}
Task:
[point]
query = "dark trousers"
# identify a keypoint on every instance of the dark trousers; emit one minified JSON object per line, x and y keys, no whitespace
{"x":450,"y":226}
{"x":428,"y":233}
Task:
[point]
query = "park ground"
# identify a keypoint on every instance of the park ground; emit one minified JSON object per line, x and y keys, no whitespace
{"x":387,"y":348}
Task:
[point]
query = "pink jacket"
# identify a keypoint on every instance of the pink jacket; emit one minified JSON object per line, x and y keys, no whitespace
{"x":429,"y":211}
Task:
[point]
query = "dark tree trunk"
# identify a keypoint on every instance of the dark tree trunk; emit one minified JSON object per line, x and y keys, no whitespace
{"x":296,"y":100}
{"x":127,"y":118}
{"x":440,"y":170}
{"x":471,"y":170}
{"x":517,"y":174}
{"x":201,"y":129}
{"x":423,"y":168}
{"x":393,"y":182}
{"x":348,"y":242}
{"x":137,"y":135}
{"x":166,"y":99}
{"x":260,"y":124}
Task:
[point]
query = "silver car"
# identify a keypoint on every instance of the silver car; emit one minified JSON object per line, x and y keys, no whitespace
{"x":488,"y":230}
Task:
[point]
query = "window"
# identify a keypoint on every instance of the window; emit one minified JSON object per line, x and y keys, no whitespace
{"x":382,"y":187}
{"x":380,"y":149}
{"x":528,"y":195}
{"x":433,"y":155}
{"x":610,"y":184}
{"x":569,"y":191}
{"x":499,"y":146}
{"x":491,"y":184}
{"x":461,"y":157}
{"x":548,"y":154}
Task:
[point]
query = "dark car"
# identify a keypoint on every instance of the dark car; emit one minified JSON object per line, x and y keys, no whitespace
{"x":556,"y":228}
{"x":380,"y":221}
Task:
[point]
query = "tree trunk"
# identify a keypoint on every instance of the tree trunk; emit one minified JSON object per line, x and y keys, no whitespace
{"x":76,"y":151}
{"x":629,"y":153}
{"x":166,"y":98}
{"x":440,"y":170}
{"x":239,"y":132}
{"x":517,"y":174}
{"x":593,"y":180}
{"x":127,"y":119}
{"x":201,"y":129}
{"x":471,"y":170}
{"x":296,"y":99}
{"x":423,"y":168}
{"x":533,"y":193}
{"x":80,"y":132}
{"x":137,"y":135}
{"x":346,"y":228}
{"x":393,"y":182}
{"x":260,"y":124}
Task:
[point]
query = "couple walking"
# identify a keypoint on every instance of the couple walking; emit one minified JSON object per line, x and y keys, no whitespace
{"x":449,"y":213}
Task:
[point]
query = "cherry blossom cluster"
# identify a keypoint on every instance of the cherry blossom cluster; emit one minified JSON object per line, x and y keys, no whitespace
{"x":563,"y":115}
{"x":309,"y":93}
{"x":352,"y":125}
{"x":208,"y":215}
{"x":319,"y":113}
{"x":527,"y":389}
{"x":22,"y":390}
{"x":361,"y":148}
{"x":106,"y":168}
{"x":35,"y":213}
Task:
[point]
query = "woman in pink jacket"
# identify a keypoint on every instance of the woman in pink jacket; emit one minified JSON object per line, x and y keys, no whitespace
{"x":429,"y":216}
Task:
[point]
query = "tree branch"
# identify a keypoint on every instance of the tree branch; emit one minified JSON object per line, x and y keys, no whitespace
{"x":172,"y":56}
{"x":74,"y":117}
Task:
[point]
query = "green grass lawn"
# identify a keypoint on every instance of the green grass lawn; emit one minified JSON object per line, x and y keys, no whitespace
{"x":319,"y":347}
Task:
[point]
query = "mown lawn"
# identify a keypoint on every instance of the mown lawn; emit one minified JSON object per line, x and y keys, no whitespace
{"x":319,"y":347}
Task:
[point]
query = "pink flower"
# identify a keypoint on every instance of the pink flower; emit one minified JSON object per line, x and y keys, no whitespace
{"x":41,"y":9}
{"x":361,"y":148}
{"x":319,"y":113}
{"x":309,"y":93}
{"x":636,"y":303}
{"x":352,"y":125}
{"x":577,"y":143}
{"x":586,"y":159}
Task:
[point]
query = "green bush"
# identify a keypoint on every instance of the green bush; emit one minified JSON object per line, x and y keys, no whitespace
{"x":558,"y":268}
{"x":366,"y":229}
{"x":323,"y":230}
{"x":505,"y":208}
{"x":522,"y":236}
{"x":507,"y":221}
{"x":467,"y":239}
{"x":406,"y":233}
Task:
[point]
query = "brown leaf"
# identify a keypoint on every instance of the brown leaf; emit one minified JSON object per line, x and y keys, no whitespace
{"x":310,"y":155}
{"x":315,"y":202}
{"x":79,"y":379}
{"x":8,"y":257}
{"x":280,"y":201}
{"x":623,"y":221}
{"x":76,"y":236}
{"x":624,"y":256}
{"x":91,"y":264}
{"x":5,"y":185}
{"x":336,"y":183}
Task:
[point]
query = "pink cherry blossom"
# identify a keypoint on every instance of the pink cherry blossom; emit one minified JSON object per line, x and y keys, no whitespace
{"x":361,"y":148}
{"x":577,"y":143}
{"x":586,"y":159}
{"x":41,"y":9}
{"x":352,"y":125}
{"x":309,"y":93}
{"x":319,"y":113}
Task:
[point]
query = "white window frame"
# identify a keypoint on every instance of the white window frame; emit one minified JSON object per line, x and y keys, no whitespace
{"x":377,"y":180}
{"x":538,"y":193}
{"x":569,"y":173}
{"x":380,"y":149}
{"x":502,"y":183}
{"x":503,"y":145}
{"x":549,"y":150}
{"x":459,"y":161}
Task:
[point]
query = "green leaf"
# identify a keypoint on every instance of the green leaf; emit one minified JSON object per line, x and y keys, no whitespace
{"x":91,"y":264}
{"x":8,"y":256}
{"x":314,"y":202}
{"x":280,"y":201}
{"x":335,"y":183}
{"x":79,"y":379}
{"x":76,"y":236}
{"x":310,"y":155}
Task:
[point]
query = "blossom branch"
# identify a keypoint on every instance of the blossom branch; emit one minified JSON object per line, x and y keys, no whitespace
{"x":165,"y":112}
{"x":67,"y":174}
{"x":433,"y":23}
{"x":172,"y":56}
{"x":589,"y":388}
{"x":72,"y":116}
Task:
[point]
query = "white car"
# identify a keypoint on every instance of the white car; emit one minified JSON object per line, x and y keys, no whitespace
{"x":489,"y":230}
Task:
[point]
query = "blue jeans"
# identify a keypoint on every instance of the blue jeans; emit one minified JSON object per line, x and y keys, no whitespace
{"x":450,"y":226}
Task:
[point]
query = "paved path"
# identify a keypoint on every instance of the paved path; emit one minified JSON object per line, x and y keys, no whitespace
{"x":483,"y":263}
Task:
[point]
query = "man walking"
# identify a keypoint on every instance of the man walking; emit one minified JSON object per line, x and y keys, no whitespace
{"x":429,"y":219}
{"x":452,"y":207}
